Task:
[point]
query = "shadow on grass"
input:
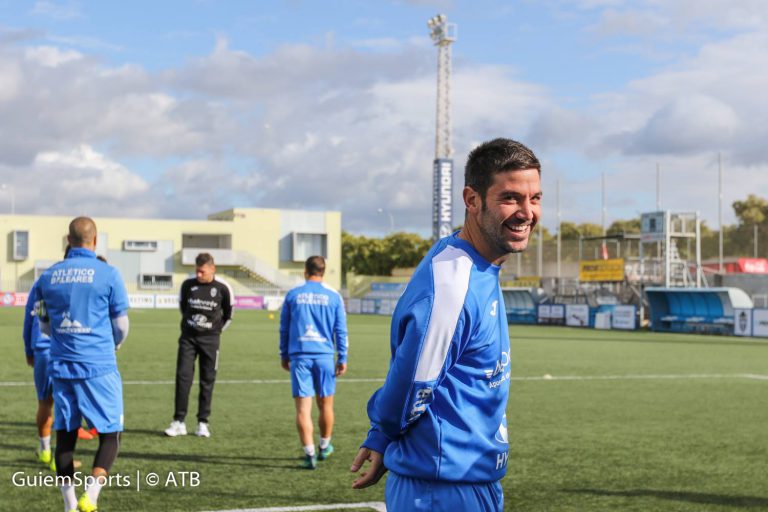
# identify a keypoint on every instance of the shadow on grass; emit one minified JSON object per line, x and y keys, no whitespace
{"x":290,"y":463}
{"x":691,"y":497}
{"x":18,"y":424}
{"x":712,"y":340}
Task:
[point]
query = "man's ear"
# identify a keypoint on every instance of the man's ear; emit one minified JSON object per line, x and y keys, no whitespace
{"x":472,"y":200}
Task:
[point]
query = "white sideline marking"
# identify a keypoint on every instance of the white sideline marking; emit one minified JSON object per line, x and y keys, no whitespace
{"x":689,"y":376}
{"x":374,"y":505}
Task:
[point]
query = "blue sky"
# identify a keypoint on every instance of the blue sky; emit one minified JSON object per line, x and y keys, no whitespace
{"x":178,"y":109}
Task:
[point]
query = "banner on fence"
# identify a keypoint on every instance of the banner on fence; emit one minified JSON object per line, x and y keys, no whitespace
{"x":577,"y":315}
{"x":742,"y":322}
{"x":167,"y":301}
{"x":249,"y":302}
{"x":624,"y":317}
{"x":760,"y":322}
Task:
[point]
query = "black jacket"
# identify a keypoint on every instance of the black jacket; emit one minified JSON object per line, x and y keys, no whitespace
{"x":205,"y":308}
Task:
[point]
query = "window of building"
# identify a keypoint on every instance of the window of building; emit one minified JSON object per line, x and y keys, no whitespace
{"x":206,"y":241}
{"x":309,"y":244}
{"x":20,"y":245}
{"x":140,"y":245}
{"x":155,"y":281}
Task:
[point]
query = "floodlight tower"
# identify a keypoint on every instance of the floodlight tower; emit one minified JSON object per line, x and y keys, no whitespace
{"x":443,"y":34}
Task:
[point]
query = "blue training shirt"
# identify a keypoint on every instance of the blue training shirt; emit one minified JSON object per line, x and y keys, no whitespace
{"x":312,"y":318}
{"x":81,"y":296}
{"x":34,"y":338}
{"x":441,"y":413}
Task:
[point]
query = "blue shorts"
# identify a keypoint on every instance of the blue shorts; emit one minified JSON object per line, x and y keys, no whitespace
{"x":43,"y":380}
{"x":412,"y":494}
{"x":313,"y":376}
{"x":99,"y":400}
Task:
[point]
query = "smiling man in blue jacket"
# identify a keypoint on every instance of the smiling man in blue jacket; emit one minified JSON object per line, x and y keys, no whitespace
{"x":438,"y":423}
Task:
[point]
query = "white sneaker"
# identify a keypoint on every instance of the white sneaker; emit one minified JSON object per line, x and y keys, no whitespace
{"x":202,"y":430}
{"x":177,"y":428}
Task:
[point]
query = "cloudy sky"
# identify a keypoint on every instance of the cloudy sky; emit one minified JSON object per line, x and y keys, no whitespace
{"x":177,"y":109}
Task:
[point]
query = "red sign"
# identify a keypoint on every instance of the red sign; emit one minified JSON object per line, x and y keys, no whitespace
{"x":753,"y":265}
{"x":739,"y":266}
{"x":13,"y":299}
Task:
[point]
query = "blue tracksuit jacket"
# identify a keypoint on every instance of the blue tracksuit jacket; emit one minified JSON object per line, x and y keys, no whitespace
{"x":312,"y":318}
{"x":34,"y":338}
{"x":80,"y":296}
{"x":440,"y":414}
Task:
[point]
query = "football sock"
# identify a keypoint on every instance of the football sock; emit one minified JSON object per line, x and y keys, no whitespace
{"x":45,"y":443}
{"x":324,"y":442}
{"x":94,"y":489}
{"x":309,"y":449}
{"x":70,"y":500}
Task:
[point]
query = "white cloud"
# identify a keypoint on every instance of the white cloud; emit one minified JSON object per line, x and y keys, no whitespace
{"x":76,"y":181}
{"x":58,"y":11}
{"x":10,"y":79}
{"x":82,"y":172}
{"x":688,"y":124}
{"x":51,"y":56}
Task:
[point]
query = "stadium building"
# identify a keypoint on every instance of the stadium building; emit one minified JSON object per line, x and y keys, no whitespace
{"x":258,"y":251}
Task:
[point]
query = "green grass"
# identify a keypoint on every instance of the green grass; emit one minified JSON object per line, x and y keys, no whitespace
{"x":637,"y":444}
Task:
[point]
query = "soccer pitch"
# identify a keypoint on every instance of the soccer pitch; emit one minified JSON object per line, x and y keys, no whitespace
{"x":628,"y":421}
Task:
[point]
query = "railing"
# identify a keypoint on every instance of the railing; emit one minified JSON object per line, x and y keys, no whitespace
{"x":249,"y":262}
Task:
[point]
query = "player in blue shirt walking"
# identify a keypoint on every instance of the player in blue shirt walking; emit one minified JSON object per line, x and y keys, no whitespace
{"x":37,"y":348}
{"x":83,"y":307}
{"x":313,"y":327}
{"x":438,"y":423}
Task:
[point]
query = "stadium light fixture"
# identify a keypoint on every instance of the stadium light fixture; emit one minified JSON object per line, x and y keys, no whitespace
{"x":12,"y":192}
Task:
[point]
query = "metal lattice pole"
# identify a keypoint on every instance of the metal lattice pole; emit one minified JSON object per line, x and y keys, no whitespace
{"x":443,"y":147}
{"x":443,"y":34}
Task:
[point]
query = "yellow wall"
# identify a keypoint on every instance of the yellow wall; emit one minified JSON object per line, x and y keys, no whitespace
{"x":255,"y":231}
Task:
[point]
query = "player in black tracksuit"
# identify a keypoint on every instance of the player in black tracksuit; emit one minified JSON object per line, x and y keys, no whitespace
{"x":206,"y":310}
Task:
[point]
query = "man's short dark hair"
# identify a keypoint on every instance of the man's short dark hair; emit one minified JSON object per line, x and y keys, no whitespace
{"x":315,"y":266}
{"x":493,"y":157}
{"x":203,"y":258}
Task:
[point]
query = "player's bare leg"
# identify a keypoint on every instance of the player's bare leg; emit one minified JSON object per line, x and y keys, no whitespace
{"x":44,"y":417}
{"x":325,"y":404}
{"x":306,"y":429}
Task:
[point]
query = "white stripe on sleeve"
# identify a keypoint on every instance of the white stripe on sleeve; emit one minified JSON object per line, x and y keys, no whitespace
{"x":450,"y":275}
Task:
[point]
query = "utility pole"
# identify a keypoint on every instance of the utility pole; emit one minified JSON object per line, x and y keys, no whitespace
{"x":720,"y":209}
{"x":443,"y":34}
{"x":559,"y":241}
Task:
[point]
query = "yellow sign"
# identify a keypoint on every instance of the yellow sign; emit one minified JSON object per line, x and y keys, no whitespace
{"x":601,"y":270}
{"x":523,"y":282}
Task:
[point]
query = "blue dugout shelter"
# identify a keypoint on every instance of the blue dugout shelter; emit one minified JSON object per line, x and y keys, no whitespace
{"x":701,"y":310}
{"x":521,"y":305}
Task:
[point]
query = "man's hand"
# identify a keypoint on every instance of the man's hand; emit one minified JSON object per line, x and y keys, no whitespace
{"x":375,"y":471}
{"x":286,"y":363}
{"x":341,"y":369}
{"x":31,"y":361}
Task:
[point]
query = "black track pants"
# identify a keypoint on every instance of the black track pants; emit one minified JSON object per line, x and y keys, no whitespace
{"x":206,"y":347}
